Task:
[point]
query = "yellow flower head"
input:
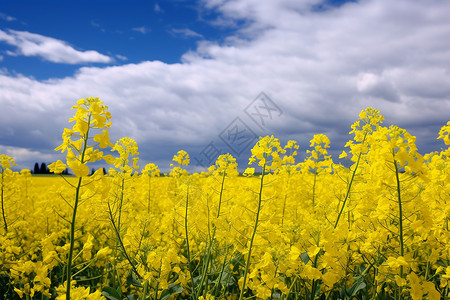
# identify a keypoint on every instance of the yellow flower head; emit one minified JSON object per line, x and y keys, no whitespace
{"x":249,"y":172}
{"x":6,"y":162}
{"x":57,"y":167}
{"x":182,"y":157}
{"x":151,"y":170}
{"x":128,"y":151}
{"x":371,"y":119}
{"x":91,"y":115}
{"x":267,"y":152}
{"x":226,"y":163}
{"x":444,"y":133}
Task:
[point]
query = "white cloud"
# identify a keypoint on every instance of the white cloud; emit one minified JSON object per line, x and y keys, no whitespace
{"x":95,"y":24}
{"x":143,"y":29}
{"x":157,"y":8}
{"x":186,"y":33}
{"x":7,"y":18}
{"x":25,"y":158}
{"x":376,"y":86}
{"x":320,"y":67}
{"x":54,"y":50}
{"x":121,"y":57}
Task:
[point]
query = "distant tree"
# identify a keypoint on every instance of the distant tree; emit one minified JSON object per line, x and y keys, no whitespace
{"x":65,"y":172}
{"x":36,"y":168}
{"x":104,"y":171}
{"x":92,"y":171}
{"x":43,"y":169}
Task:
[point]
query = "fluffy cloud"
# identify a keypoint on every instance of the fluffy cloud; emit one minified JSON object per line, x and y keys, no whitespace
{"x":186,"y":33}
{"x":320,"y":64}
{"x":143,"y":30}
{"x":22,"y":155}
{"x":6,"y":17}
{"x":54,"y":50}
{"x":376,"y":86}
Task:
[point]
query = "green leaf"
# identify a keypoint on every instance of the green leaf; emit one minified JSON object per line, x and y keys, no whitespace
{"x":172,"y":290}
{"x":110,"y":293}
{"x":357,"y":286}
{"x":134,"y":280}
{"x":305,"y":257}
{"x":227,"y":278}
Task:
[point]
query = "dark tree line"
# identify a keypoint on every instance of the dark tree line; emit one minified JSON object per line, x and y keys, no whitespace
{"x":43,"y":169}
{"x":103,"y":169}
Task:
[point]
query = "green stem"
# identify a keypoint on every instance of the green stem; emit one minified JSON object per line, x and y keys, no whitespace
{"x":122,"y":188}
{"x":219,"y":278}
{"x":254,"y":228}
{"x":347,"y":195}
{"x":285,"y":198}
{"x":221,"y":193}
{"x":5,"y":225}
{"x":144,"y":293}
{"x":284,"y":209}
{"x":290,"y":288}
{"x":400,"y":208}
{"x":314,"y":282}
{"x":158,"y":281}
{"x":74,"y":214}
{"x":122,"y":246}
{"x":194,"y":296}
{"x":348,"y":191}
{"x":208,"y":260}
{"x":400,"y":215}
{"x":314,"y":188}
{"x":149,"y":191}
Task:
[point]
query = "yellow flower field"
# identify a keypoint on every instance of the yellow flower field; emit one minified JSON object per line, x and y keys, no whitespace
{"x":375,"y":228}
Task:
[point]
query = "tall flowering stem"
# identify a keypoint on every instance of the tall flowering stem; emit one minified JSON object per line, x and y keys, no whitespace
{"x":6,"y":163}
{"x":267,"y":152}
{"x":125,"y":165}
{"x":225,"y":166}
{"x":372,"y":119}
{"x":255,"y":228}
{"x":91,"y":116}
{"x":150,"y":170}
{"x":182,"y":178}
{"x":400,"y":214}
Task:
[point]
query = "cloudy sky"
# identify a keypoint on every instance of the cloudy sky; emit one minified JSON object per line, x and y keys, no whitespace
{"x":209,"y":76}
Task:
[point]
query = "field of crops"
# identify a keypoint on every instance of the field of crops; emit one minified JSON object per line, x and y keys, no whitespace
{"x":376,"y":228}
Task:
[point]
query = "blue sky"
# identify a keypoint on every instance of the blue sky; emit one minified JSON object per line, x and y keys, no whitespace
{"x":188,"y":74}
{"x":127,"y":32}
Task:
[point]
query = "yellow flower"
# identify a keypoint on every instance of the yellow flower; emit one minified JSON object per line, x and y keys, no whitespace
{"x":151,"y":170}
{"x":97,"y":295}
{"x":400,"y":281}
{"x":6,"y":162}
{"x":109,"y":158}
{"x":249,"y":172}
{"x":57,"y":167}
{"x":444,"y":133}
{"x":103,"y":139}
{"x":182,"y":157}
{"x":416,"y":288}
{"x":311,"y":273}
{"x":102,"y":253}
{"x":79,"y":169}
{"x":447,"y":273}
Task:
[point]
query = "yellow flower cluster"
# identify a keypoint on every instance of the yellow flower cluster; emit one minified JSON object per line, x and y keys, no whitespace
{"x":90,"y":115}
